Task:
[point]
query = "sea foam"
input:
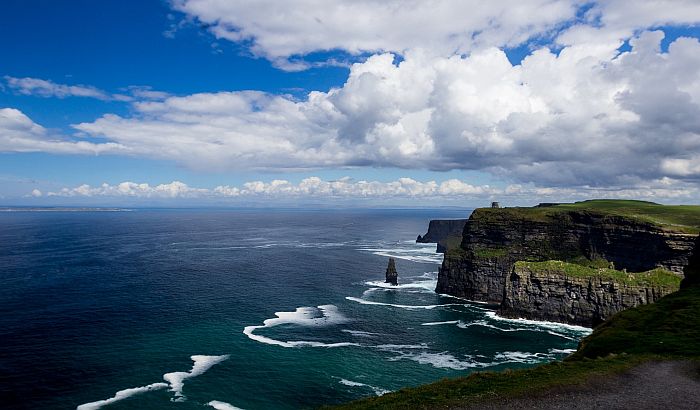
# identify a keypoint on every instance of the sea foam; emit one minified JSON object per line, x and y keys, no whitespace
{"x":377,"y":390}
{"x":222,"y":405}
{"x":121,"y":395}
{"x":302,"y":316}
{"x":201,"y":364}
{"x":428,"y":307}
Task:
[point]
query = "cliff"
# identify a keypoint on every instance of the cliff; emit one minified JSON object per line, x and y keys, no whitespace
{"x":692,"y":270}
{"x":447,"y":233}
{"x":562,"y":292}
{"x":628,"y":236}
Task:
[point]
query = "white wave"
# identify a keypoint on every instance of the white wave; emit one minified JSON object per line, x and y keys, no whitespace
{"x":443,"y":360}
{"x":377,"y":390}
{"x":361,"y":333}
{"x":222,"y":405}
{"x":201,"y":364}
{"x":302,"y":316}
{"x":561,"y":351}
{"x":121,"y":395}
{"x":407,"y":250}
{"x":541,"y":323}
{"x":449,"y":322}
{"x":395,"y":347}
{"x":428,"y":307}
{"x":428,"y":285}
{"x":521,"y":357}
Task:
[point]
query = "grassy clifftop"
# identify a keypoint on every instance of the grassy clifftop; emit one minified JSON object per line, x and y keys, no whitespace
{"x":679,"y":218}
{"x":654,"y":277}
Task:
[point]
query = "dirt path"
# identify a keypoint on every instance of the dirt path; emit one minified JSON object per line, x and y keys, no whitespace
{"x":653,"y":385}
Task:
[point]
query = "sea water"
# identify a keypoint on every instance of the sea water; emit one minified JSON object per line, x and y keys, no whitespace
{"x":224,"y":309}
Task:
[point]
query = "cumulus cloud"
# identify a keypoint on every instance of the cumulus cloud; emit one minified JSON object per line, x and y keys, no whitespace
{"x":18,"y":133}
{"x":277,"y":30}
{"x":402,"y":188}
{"x":440,"y":94}
{"x":588,"y":115}
{"x":285,"y":31}
{"x":308,"y":187}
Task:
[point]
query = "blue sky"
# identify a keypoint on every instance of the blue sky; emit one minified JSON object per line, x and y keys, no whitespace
{"x":442,"y":105}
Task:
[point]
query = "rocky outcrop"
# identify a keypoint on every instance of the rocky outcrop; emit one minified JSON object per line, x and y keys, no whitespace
{"x":392,"y":276}
{"x":447,"y":233}
{"x":555,"y":296}
{"x":494,"y":239}
{"x":692,"y":270}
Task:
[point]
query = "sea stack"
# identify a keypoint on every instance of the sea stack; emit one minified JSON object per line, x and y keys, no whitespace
{"x":391,"y":275}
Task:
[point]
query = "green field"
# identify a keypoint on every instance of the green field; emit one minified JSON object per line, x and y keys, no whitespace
{"x":681,"y":218}
{"x":654,"y":277}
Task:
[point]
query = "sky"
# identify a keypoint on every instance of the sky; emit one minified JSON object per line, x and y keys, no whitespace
{"x":357,"y":103}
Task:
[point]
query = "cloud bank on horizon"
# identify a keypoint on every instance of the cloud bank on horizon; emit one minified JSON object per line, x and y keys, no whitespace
{"x":599,"y":102}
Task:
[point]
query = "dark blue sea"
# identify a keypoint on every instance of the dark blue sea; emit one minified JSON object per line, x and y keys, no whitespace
{"x":250,"y":309}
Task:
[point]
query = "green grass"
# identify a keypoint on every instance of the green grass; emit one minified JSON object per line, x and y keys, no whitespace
{"x":490,"y":253}
{"x":667,"y":329}
{"x":669,"y":326}
{"x":680,"y":218}
{"x":654,"y":277}
{"x":452,"y":242}
{"x":485,"y":386}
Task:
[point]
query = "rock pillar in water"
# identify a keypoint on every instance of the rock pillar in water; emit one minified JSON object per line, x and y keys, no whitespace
{"x":391,"y":275}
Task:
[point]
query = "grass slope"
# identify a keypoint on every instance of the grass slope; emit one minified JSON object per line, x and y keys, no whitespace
{"x":680,"y":218}
{"x":654,"y":277}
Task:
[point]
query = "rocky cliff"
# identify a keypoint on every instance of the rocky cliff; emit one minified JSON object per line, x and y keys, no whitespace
{"x":447,"y":233}
{"x":692,"y":270}
{"x":634,"y":237}
{"x":551,"y":292}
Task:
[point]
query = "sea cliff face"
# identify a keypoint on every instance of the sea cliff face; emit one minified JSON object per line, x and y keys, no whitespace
{"x":447,"y":233}
{"x":556,"y":296}
{"x":483,"y":268}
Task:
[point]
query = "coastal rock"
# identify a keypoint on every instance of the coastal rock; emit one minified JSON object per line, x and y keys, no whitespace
{"x":494,"y":239}
{"x":555,"y":296}
{"x":392,"y":276}
{"x":447,"y":233}
{"x":692,"y":270}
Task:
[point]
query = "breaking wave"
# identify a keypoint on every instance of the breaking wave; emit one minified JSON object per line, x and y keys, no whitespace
{"x":175,"y":381}
{"x":369,"y":302}
{"x":324,"y":315}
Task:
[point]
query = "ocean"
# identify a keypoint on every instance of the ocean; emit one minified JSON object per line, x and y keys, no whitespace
{"x":250,"y":309}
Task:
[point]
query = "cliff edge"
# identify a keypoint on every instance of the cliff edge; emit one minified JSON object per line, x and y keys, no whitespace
{"x":447,"y":233}
{"x":615,"y":243}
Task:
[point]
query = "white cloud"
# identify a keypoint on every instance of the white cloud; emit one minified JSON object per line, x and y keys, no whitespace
{"x":278,"y":30}
{"x":284,"y":31}
{"x":47,"y":88}
{"x":403,"y":188}
{"x":36,"y":193}
{"x":586,"y":116}
{"x":18,"y":133}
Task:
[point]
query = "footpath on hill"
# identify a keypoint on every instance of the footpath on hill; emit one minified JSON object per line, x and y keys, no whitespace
{"x":673,"y":384}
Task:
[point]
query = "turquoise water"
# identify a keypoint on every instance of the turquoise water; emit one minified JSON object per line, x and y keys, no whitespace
{"x":196,"y":309}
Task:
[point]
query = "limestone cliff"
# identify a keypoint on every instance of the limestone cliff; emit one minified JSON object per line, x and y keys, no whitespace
{"x":553,"y":294}
{"x":627,"y":236}
{"x":447,"y":233}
